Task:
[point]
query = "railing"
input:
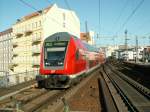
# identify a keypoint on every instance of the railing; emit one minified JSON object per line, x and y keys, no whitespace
{"x":36,"y":49}
{"x":7,"y":80}
{"x":28,"y":32}
{"x":36,"y":62}
{"x":19,"y":34}
{"x":17,"y":50}
{"x":15,"y":43}
{"x":36,"y":39}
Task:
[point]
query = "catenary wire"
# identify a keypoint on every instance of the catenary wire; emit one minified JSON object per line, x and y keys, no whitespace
{"x":130,"y":16}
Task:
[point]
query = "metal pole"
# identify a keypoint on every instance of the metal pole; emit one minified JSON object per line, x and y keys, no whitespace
{"x":137,"y":49}
{"x":144,"y":50}
{"x":149,"y":40}
{"x":8,"y":56}
{"x":3,"y":55}
{"x":126,"y":49}
{"x":86,"y":30}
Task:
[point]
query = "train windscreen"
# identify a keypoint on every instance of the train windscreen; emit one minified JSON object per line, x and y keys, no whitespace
{"x":55,"y":53}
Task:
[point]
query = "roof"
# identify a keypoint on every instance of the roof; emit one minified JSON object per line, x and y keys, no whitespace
{"x":34,"y":14}
{"x":7,"y":31}
{"x":61,"y":36}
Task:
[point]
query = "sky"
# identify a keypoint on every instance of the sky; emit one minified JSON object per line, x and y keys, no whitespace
{"x":113,"y":14}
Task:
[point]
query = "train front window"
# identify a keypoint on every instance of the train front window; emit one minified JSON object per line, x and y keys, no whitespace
{"x":55,"y":54}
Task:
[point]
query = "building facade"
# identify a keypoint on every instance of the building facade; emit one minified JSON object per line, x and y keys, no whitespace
{"x":5,"y":51}
{"x":30,"y":31}
{"x":60,"y":20}
{"x":6,"y":57}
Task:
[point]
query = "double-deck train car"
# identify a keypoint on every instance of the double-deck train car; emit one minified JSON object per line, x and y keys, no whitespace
{"x":64,"y":60}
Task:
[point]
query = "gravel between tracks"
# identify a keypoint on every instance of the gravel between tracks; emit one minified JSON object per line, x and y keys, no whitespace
{"x":87,"y":97}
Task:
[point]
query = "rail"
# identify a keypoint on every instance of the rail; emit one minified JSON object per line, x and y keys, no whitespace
{"x":111,"y":100}
{"x":135,"y":101}
{"x":145,"y":91}
{"x":34,"y":99}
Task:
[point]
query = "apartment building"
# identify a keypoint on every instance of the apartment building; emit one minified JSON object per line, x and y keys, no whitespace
{"x":30,"y":31}
{"x":5,"y":51}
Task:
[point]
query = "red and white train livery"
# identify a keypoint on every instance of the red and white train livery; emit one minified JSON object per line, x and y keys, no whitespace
{"x":65,"y":59}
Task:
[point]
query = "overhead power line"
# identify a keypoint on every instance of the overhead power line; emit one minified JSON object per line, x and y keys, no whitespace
{"x":130,"y":16}
{"x":49,"y":1}
{"x":68,"y":6}
{"x":29,"y":5}
{"x":121,"y":13}
{"x":32,"y":7}
{"x":99,"y":16}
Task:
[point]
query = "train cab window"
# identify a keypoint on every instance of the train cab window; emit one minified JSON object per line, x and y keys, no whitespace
{"x":77,"y":54}
{"x":55,"y":53}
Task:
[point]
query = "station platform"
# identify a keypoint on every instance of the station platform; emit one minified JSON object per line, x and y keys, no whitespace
{"x":11,"y":89}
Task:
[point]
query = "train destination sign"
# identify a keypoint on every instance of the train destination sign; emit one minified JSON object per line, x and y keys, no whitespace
{"x":56,"y":44}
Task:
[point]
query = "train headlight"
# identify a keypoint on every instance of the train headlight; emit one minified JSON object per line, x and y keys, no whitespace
{"x":60,"y":63}
{"x":47,"y":64}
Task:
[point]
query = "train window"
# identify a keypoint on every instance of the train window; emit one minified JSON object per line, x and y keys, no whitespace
{"x":54,"y":56}
{"x":55,"y":53}
{"x":77,"y":54}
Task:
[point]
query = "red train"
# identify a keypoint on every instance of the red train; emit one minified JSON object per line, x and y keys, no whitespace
{"x":65,"y":59}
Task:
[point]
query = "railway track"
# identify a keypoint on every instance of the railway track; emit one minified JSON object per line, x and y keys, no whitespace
{"x":27,"y":100}
{"x":135,"y":97}
{"x":40,"y":100}
{"x":138,"y":76}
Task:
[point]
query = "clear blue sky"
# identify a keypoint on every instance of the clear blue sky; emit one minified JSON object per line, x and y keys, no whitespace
{"x":110,"y":21}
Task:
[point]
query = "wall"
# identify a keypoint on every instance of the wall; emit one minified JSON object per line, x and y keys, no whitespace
{"x":60,"y":20}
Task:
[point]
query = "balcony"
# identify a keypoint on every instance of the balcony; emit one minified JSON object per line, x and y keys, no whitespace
{"x":17,"y":50}
{"x":15,"y":55}
{"x":28,"y":32}
{"x":15,"y":43}
{"x":36,"y":51}
{"x":36,"y":62}
{"x":18,"y":35}
{"x":36,"y":40}
{"x":13,"y":64}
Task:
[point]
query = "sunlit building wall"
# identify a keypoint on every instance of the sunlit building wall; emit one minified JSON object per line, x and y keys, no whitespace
{"x":60,"y":20}
{"x":30,"y":31}
{"x":5,"y":51}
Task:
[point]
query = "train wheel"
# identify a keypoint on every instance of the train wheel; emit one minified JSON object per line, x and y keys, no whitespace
{"x":41,"y":84}
{"x":48,"y":83}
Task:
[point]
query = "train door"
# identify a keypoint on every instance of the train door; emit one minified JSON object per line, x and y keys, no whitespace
{"x":77,"y":61}
{"x":87,"y":61}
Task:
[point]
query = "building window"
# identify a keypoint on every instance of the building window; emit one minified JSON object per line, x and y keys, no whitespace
{"x":32,"y":25}
{"x":40,"y":34}
{"x":40,"y":23}
{"x":64,"y":25}
{"x":36,"y":24}
{"x":64,"y":17}
{"x":36,"y":35}
{"x":29,"y":26}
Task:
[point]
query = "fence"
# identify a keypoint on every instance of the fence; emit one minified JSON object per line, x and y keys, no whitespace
{"x":7,"y":80}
